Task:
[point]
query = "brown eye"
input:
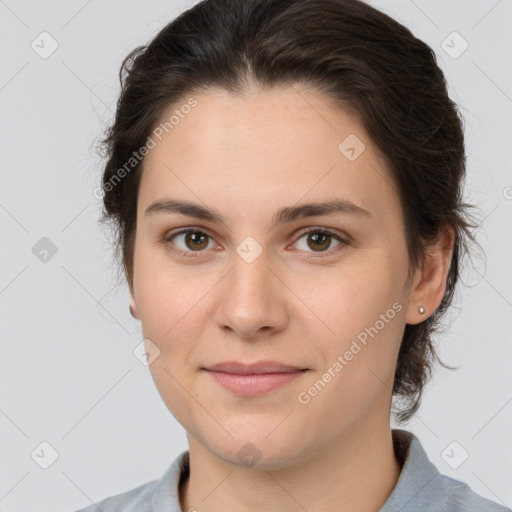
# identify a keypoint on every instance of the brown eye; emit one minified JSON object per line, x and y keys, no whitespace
{"x":188,"y":241}
{"x":195,"y":240}
{"x":319,"y":240}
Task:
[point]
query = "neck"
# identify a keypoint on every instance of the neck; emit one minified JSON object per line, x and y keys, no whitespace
{"x":358,"y":472}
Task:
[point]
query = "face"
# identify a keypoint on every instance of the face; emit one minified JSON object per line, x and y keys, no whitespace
{"x":320,"y":290}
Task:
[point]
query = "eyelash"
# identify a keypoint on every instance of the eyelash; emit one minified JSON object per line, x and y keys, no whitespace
{"x":316,"y":230}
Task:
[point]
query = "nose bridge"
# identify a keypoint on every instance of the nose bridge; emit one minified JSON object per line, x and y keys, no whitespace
{"x":250,"y":276}
{"x":250,"y":297}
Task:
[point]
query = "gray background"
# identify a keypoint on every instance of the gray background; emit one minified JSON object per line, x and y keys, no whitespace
{"x":68,"y":376}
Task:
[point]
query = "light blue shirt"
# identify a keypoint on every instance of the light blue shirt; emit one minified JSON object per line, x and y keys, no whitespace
{"x":420,"y":487}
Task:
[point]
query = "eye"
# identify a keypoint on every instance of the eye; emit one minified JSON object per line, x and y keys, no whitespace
{"x":319,"y":239}
{"x":196,"y":241}
{"x":193,"y":241}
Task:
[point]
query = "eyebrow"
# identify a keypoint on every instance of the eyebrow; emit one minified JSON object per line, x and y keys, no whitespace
{"x":282,"y":216}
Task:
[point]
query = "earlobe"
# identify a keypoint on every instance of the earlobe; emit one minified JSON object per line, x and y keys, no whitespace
{"x":427,"y":294}
{"x":133,"y":307}
{"x":417,"y":310}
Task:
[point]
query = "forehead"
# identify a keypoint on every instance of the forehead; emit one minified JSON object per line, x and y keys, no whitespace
{"x":262,"y":149}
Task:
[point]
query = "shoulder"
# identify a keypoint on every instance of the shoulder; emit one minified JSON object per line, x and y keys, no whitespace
{"x":155,"y":496}
{"x":421,"y":486}
{"x":459,"y":497}
{"x":136,"y":499}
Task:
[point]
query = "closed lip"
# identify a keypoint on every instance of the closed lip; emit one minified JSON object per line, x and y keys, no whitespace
{"x":258,"y":368}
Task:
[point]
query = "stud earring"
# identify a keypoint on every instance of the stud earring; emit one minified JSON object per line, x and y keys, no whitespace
{"x":421,"y":310}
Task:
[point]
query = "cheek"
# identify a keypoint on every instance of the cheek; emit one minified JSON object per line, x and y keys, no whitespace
{"x":161,"y":295}
{"x":359,"y":366}
{"x":354,"y":299}
{"x":174,"y":310}
{"x":365,"y":311}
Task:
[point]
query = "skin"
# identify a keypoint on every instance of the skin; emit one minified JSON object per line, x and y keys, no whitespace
{"x":247,"y":157}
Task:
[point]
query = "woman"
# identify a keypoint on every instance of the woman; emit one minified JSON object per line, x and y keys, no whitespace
{"x":286,"y":179}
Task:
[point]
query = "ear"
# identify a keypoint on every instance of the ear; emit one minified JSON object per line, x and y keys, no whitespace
{"x":133,"y":306}
{"x":429,"y":283}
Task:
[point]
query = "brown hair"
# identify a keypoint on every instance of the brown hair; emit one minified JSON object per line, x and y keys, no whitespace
{"x":363,"y":59}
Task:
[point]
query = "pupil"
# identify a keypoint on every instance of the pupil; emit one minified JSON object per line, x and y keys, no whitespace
{"x":193,"y":236}
{"x":316,"y":237}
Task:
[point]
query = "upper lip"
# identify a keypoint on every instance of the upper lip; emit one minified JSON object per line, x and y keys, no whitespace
{"x":254,"y":368}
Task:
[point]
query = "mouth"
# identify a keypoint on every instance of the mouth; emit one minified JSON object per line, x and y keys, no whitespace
{"x":253,"y":379}
{"x":258,"y":368}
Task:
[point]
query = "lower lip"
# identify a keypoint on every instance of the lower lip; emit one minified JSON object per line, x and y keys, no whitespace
{"x":253,"y":385}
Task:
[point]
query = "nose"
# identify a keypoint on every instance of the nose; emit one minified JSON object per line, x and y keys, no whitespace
{"x":252,"y":301}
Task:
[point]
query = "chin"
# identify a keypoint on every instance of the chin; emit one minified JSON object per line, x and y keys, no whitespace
{"x":259,"y":451}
